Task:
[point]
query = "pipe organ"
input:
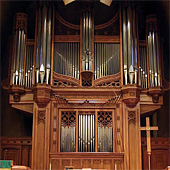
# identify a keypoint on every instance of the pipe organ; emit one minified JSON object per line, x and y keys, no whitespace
{"x":19,"y":45}
{"x":68,"y":132}
{"x":43,"y":43}
{"x":86,"y":84}
{"x":143,"y":67}
{"x":153,"y":51}
{"x":86,"y":138}
{"x":130,"y":45}
{"x":29,"y":66}
{"x":67,"y":54}
{"x":87,"y":30}
{"x":105,"y":132}
{"x":106,"y":59}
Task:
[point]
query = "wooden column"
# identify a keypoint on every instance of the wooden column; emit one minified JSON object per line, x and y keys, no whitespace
{"x":132,"y":137}
{"x":41,"y":127}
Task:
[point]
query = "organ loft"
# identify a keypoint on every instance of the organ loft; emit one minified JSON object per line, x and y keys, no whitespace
{"x":86,"y":83}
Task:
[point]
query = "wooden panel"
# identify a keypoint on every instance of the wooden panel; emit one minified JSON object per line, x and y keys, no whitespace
{"x":159,"y":153}
{"x":86,"y":163}
{"x":25,"y":156}
{"x":11,"y":154}
{"x":107,"y":164}
{"x":97,"y":164}
{"x":55,"y":164}
{"x":159,"y":159}
{"x":65,"y":162}
{"x":76,"y":163}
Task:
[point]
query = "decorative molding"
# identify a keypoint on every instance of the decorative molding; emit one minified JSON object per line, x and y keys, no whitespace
{"x":60,"y":80}
{"x":131,"y":95}
{"x":20,"y":22}
{"x":132,"y":116}
{"x":16,"y":91}
{"x":155,"y":92}
{"x":42,"y":94}
{"x":41,"y":116}
{"x":87,"y":77}
{"x":108,"y":81}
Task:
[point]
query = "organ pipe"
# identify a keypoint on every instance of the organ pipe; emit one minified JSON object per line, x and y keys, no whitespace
{"x":129,"y":35}
{"x":19,"y":41}
{"x":143,"y":66}
{"x":86,"y":142}
{"x":67,"y":54}
{"x":153,"y":51}
{"x":43,"y":43}
{"x":29,"y":66}
{"x":106,"y":58}
{"x":87,"y":41}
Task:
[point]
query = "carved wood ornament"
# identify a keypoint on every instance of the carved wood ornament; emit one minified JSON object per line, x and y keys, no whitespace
{"x":41,"y":116}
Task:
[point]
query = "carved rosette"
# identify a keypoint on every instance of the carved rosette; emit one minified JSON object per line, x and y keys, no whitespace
{"x":42,"y":95}
{"x":155,"y":92}
{"x":16,"y":91}
{"x":41,"y":116}
{"x":131,"y":95}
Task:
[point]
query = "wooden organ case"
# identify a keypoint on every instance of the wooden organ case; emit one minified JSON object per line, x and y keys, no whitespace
{"x":86,"y":85}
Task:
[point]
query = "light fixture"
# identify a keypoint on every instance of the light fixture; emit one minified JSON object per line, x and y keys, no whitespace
{"x":106,"y":2}
{"x":67,"y":1}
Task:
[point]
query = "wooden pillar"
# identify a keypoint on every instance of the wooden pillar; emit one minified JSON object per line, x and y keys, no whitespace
{"x":41,"y":127}
{"x":132,"y":137}
{"x":131,"y":126}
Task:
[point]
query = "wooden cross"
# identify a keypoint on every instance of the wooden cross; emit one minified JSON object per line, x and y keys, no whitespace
{"x":148,"y":128}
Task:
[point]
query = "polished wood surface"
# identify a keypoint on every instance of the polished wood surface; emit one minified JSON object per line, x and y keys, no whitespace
{"x":159,"y":157}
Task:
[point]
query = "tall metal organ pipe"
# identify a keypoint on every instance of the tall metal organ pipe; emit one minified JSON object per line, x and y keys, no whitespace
{"x":20,"y":28}
{"x":87,"y":41}
{"x":153,"y":51}
{"x":43,"y":43}
{"x":129,"y":35}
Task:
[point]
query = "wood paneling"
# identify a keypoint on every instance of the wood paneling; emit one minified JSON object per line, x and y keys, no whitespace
{"x":17,"y":149}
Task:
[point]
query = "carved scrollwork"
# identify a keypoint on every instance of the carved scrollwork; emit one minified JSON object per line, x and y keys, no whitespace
{"x":64,"y":81}
{"x":41,"y":116}
{"x":87,"y":78}
{"x":108,"y":81}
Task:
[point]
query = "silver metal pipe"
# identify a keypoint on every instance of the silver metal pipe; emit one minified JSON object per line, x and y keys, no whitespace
{"x":44,"y":40}
{"x":125,"y":45}
{"x":154,"y":59}
{"x":49,"y":39}
{"x":157,"y":58}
